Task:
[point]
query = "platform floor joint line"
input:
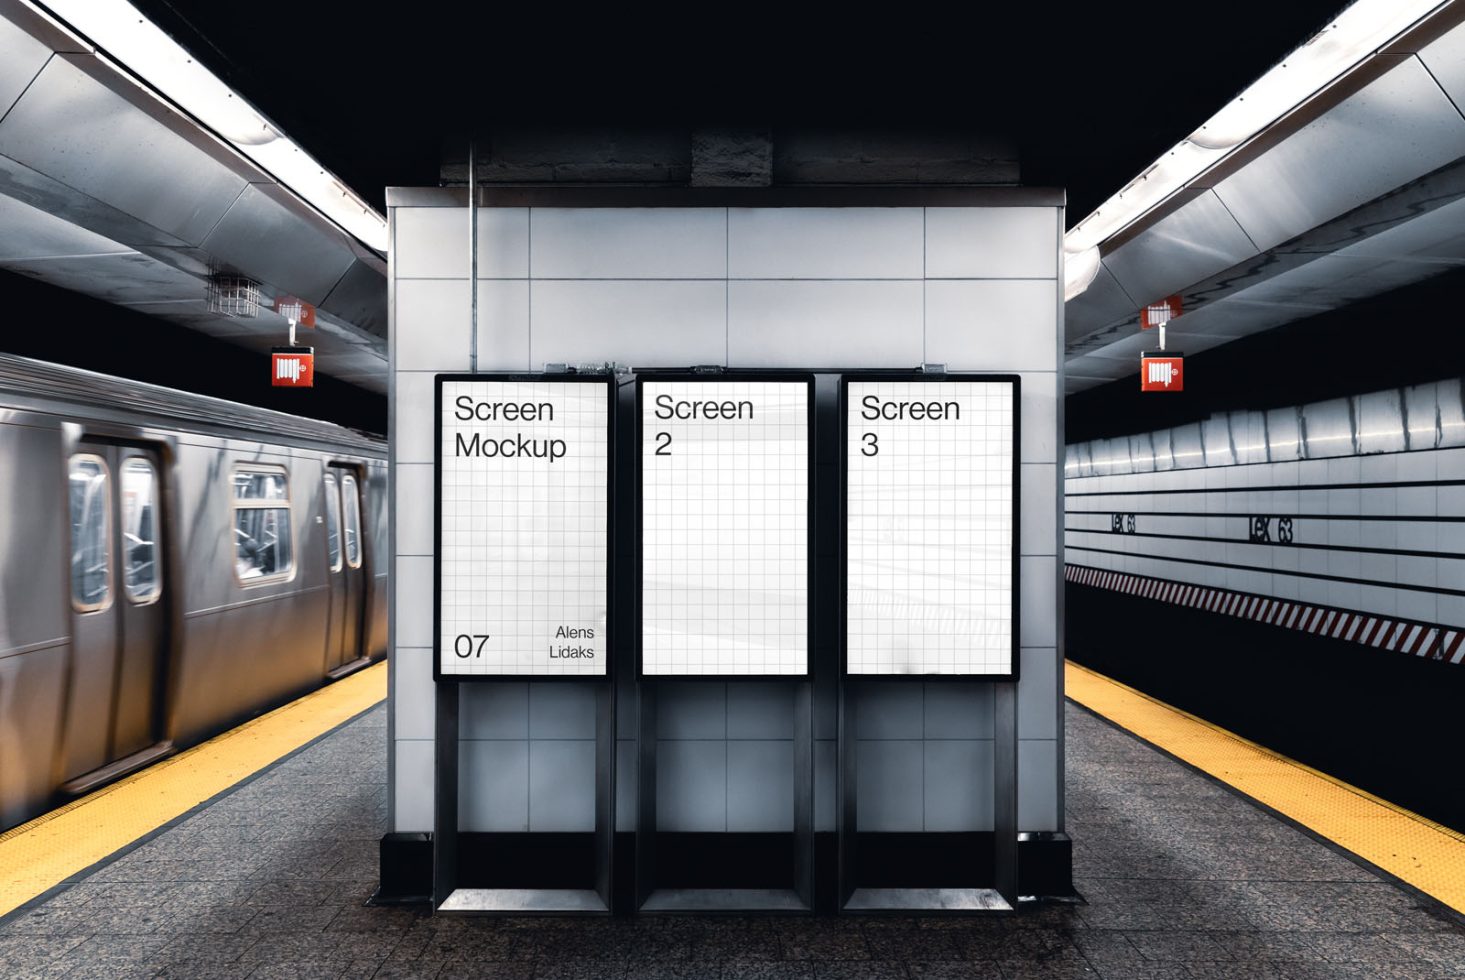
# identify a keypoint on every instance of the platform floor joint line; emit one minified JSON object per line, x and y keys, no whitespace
{"x":1419,"y":852}
{"x":52,"y":848}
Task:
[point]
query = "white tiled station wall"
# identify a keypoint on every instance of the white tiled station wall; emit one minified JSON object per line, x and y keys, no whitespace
{"x":1372,"y":484}
{"x":977,"y":289}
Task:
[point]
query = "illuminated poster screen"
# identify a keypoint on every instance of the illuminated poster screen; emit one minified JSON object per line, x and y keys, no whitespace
{"x":725,"y":527}
{"x":523,"y":490}
{"x":930,"y":493}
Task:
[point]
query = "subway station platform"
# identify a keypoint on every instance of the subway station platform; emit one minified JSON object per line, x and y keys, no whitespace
{"x":1179,"y":876}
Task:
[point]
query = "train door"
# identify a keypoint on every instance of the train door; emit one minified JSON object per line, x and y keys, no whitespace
{"x":345,"y":551}
{"x":119,"y":622}
{"x":335,"y":562}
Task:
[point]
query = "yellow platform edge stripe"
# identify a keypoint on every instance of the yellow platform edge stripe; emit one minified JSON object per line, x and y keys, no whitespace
{"x":1420,"y":852}
{"x":46,"y":851}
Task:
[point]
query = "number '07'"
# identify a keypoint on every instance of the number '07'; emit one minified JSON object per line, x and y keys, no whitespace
{"x":466,"y":645}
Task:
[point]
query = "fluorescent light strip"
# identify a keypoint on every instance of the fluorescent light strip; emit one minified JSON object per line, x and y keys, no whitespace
{"x":1351,"y":39}
{"x":130,"y":39}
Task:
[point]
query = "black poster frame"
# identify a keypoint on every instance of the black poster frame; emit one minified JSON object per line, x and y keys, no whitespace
{"x":611,"y":619}
{"x":1015,"y":656}
{"x":810,"y":611}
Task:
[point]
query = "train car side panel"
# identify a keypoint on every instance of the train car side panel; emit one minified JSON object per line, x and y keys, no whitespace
{"x":34,"y":629}
{"x":253,"y":635}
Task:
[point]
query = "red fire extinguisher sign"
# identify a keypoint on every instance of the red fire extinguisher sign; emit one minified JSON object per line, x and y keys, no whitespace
{"x":292,"y":367}
{"x":1162,"y":371}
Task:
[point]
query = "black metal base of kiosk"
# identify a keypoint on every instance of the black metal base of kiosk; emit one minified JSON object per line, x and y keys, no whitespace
{"x":654,"y":898}
{"x":927,"y":900}
{"x":523,"y":901}
{"x":723,"y":900}
{"x":1002,"y":896}
{"x":450,"y":896}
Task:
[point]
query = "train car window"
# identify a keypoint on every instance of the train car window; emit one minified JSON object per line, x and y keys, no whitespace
{"x":263,"y":546}
{"x":141,"y":578}
{"x":353,"y":520}
{"x":91,"y":559}
{"x":333,"y":523}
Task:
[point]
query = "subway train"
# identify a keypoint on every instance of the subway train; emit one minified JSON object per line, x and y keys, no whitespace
{"x":170,"y":565}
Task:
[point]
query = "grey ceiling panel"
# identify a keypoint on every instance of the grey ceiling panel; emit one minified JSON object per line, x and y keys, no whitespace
{"x":55,"y":198}
{"x":1127,"y":349}
{"x":265,"y":237}
{"x":106,"y":191}
{"x":1097,"y":307}
{"x":357,"y":361}
{"x":21,"y":59}
{"x":1436,"y":236}
{"x":1234,"y":316}
{"x":194,"y":261}
{"x":1195,"y":242}
{"x":130,"y":277}
{"x":360,"y":298}
{"x":1332,"y":281}
{"x":1398,"y":128}
{"x":77,"y":130}
{"x":193,"y":313}
{"x":1099,"y":366}
{"x":30,"y":233}
{"x":1445,"y":59}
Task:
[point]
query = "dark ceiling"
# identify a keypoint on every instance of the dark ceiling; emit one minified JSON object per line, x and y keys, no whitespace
{"x":1092,"y":92}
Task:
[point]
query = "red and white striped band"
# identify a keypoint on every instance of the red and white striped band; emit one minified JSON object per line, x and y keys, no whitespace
{"x":1420,"y":639}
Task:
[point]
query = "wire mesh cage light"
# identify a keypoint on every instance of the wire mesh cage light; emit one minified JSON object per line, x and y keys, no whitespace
{"x":233,"y":296}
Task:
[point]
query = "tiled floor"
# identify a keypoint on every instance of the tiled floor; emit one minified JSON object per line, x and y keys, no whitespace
{"x":1182,"y":880}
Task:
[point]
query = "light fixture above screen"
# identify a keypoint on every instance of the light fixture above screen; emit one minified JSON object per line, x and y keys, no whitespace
{"x":126,"y":38}
{"x":1350,"y":40}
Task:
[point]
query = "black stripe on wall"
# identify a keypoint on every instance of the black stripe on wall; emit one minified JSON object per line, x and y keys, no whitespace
{"x":1261,"y":488}
{"x":1268,"y":571}
{"x":1295,"y":517}
{"x":1398,"y":552}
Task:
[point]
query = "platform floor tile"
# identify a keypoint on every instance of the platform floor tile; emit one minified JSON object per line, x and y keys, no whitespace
{"x":1182,"y":879}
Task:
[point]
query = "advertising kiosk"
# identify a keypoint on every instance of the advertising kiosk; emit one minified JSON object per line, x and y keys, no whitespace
{"x":523,"y":584}
{"x":930,"y":562}
{"x":726,"y":540}
{"x":800,"y":561}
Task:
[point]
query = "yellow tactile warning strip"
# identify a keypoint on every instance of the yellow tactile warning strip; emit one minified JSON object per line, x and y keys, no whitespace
{"x":1417,"y":851}
{"x":46,"y":851}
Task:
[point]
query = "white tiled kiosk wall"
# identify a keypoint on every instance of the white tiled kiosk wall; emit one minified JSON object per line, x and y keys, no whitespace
{"x":975,"y":288}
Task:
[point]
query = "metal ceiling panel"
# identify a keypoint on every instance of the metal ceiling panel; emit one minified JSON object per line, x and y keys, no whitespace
{"x":1097,"y":307}
{"x":1331,"y":281}
{"x":360,"y":298}
{"x":129,"y":277}
{"x":1436,"y":237}
{"x":1445,"y":59}
{"x":1127,"y":349}
{"x":1397,"y":129}
{"x":1240,"y":314}
{"x":21,"y":58}
{"x":357,"y":361}
{"x":31,"y":233}
{"x":1090,"y":367}
{"x":336,"y":355}
{"x":107,"y":191}
{"x":55,"y":198}
{"x":1072,"y":386}
{"x":77,"y":130}
{"x":264,"y":236}
{"x":1194,"y":243}
{"x":193,"y":313}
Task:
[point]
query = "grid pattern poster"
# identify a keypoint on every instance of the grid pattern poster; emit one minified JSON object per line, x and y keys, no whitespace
{"x":523,"y":479}
{"x":725,"y":527}
{"x":929,"y":514}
